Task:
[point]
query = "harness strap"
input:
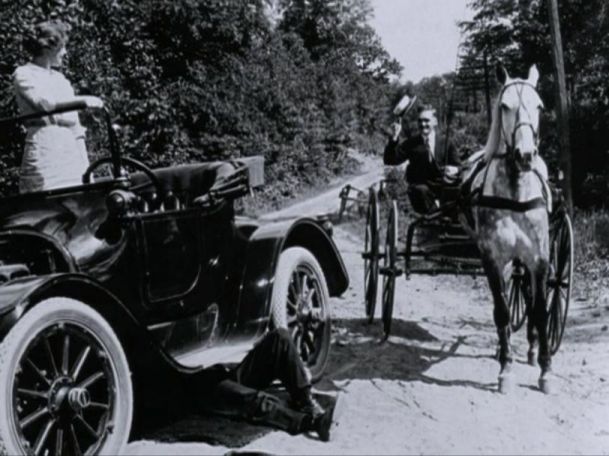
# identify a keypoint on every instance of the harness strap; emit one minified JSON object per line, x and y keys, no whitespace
{"x":498,"y":202}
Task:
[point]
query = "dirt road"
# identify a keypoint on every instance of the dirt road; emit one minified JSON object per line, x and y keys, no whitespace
{"x":432,"y":387}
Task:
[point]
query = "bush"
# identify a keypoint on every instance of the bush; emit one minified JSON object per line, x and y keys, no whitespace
{"x":195,"y":80}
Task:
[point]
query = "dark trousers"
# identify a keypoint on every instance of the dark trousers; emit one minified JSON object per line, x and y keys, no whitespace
{"x":273,"y":358}
{"x":422,"y":198}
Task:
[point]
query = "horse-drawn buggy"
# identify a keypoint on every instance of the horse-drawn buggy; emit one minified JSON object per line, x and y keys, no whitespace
{"x":508,"y":224}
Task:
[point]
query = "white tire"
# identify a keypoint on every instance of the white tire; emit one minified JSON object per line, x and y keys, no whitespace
{"x":62,"y":364}
{"x":301,"y":303}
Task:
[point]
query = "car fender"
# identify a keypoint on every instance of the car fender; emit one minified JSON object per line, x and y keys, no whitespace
{"x":143,"y":352}
{"x":262,"y":255}
{"x":59,"y":257}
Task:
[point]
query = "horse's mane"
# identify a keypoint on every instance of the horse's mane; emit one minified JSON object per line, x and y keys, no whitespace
{"x":493,"y":142}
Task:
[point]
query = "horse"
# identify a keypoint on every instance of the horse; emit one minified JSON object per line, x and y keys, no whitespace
{"x":509,"y":218}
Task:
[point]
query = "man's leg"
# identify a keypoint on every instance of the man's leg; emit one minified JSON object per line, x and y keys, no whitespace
{"x":274,"y":358}
{"x":423,"y":200}
{"x":235,"y":400}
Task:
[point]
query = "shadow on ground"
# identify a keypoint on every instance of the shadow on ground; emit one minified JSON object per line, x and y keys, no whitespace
{"x":359,"y":353}
{"x":193,"y":427}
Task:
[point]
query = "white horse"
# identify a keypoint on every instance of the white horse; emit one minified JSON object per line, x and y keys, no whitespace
{"x":510,"y":205}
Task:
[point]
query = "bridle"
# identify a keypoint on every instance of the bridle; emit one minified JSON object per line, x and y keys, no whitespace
{"x":510,"y":147}
{"x":478,"y":198}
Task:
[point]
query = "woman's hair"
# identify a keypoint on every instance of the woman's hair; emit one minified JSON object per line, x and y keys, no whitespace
{"x":46,"y":35}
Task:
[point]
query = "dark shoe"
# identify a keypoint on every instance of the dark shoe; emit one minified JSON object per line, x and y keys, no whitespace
{"x":325,"y":425}
{"x":309,"y":406}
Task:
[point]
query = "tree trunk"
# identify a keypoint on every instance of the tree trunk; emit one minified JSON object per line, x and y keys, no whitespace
{"x":562,"y":102}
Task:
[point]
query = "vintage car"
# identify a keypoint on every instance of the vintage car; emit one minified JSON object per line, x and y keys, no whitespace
{"x":112,"y":289}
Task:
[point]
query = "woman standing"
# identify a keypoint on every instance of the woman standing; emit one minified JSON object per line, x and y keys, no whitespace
{"x":55,"y":153}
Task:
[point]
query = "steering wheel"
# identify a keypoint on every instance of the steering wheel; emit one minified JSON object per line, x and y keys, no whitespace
{"x":153,"y":179}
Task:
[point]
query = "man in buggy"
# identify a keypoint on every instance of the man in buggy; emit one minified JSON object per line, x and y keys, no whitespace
{"x":434,"y":164}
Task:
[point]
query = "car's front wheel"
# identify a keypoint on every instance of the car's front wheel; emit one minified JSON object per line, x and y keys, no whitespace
{"x":301,"y":304}
{"x":65,"y":385}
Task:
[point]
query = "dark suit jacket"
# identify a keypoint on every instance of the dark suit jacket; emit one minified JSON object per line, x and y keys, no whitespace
{"x":420,"y":170}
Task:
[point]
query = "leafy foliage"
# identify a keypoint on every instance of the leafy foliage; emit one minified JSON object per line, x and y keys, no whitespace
{"x":517,"y":32}
{"x":195,"y":80}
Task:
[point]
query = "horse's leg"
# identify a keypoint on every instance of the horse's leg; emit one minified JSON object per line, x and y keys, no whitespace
{"x":540,"y":313}
{"x":529,"y":285}
{"x":501,"y":315}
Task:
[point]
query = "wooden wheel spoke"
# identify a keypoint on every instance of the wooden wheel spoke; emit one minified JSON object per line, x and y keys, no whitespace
{"x":297,"y":284}
{"x":90,"y":380}
{"x":38,"y":371}
{"x":80,"y":362}
{"x":65,"y":358}
{"x":32,"y":393}
{"x":292,"y":318}
{"x":49,"y":352}
{"x":59,"y":442}
{"x":87,"y":427}
{"x":309,"y":297}
{"x":75,"y":444}
{"x":293,"y":292}
{"x":32,"y":417}
{"x":99,"y":405}
{"x":43,"y":436}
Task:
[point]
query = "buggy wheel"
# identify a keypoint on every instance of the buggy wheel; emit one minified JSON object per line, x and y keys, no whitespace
{"x":517,"y":298}
{"x":371,"y":255}
{"x":301,"y":303}
{"x":559,"y":281}
{"x":389,"y":269}
{"x":65,"y":385}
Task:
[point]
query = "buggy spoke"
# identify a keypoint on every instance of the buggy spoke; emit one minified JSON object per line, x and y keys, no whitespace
{"x":90,"y":380}
{"x":80,"y":363}
{"x":42,"y":438}
{"x":65,"y":354}
{"x":33,"y":417}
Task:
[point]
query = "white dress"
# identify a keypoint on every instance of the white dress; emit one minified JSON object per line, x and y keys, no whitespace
{"x":55,"y":153}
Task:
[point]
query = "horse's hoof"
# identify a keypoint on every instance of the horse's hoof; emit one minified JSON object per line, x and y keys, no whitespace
{"x":546,"y":384}
{"x":506,"y":384}
{"x":531,"y":359}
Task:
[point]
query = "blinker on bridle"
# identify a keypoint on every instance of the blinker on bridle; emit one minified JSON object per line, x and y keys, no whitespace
{"x":510,"y":148}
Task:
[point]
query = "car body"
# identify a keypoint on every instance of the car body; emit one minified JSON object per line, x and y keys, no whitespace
{"x":153,"y":264}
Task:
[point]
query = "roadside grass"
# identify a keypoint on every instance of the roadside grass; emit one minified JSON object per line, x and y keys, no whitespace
{"x":591,"y":249}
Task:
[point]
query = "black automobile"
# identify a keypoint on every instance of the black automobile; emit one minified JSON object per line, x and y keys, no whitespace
{"x":109,"y":286}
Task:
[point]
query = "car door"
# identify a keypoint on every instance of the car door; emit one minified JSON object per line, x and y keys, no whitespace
{"x":170,"y":249}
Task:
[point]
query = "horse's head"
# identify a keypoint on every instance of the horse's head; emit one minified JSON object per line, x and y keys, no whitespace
{"x":520,"y":106}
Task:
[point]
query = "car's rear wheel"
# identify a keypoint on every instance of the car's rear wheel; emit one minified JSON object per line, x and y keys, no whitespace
{"x":65,"y":385}
{"x":300,"y":303}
